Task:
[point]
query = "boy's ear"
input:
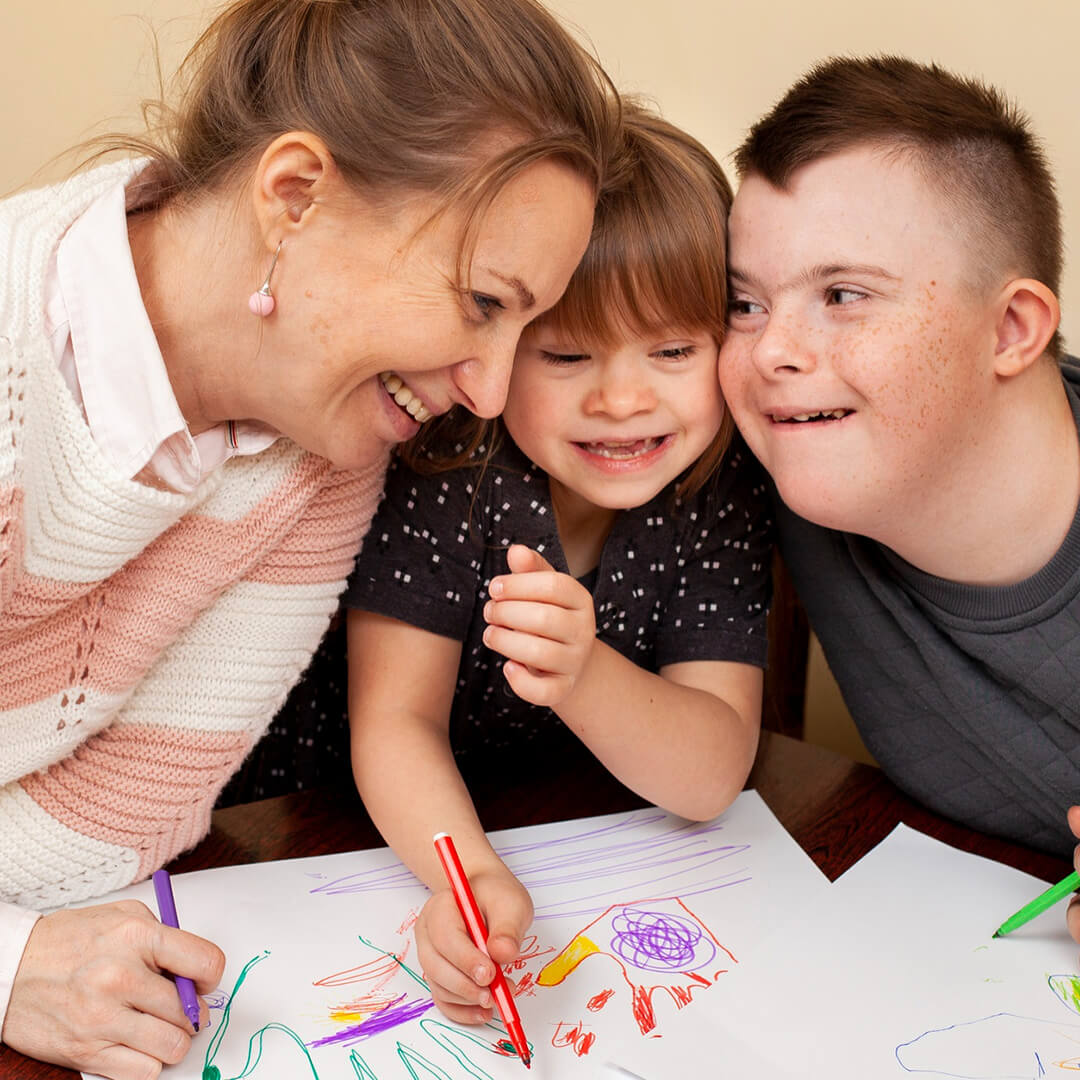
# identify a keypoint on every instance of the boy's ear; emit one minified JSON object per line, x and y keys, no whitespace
{"x":1028,"y":315}
{"x":293,"y":175}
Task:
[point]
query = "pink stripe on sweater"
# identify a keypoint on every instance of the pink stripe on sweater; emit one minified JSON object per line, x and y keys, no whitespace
{"x":120,"y":627}
{"x":11,"y":526}
{"x":148,"y":789}
{"x":328,"y":537}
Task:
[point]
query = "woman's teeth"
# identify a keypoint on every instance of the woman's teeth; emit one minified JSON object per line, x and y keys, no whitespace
{"x":623,"y":451}
{"x":404,"y":397}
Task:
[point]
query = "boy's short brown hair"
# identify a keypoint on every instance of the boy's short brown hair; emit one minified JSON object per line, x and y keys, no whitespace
{"x":970,"y":142}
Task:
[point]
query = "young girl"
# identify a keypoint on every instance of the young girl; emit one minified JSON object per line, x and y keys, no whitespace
{"x":598,"y":568}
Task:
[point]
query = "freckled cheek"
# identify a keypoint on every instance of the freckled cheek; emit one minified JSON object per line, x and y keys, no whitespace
{"x":733,"y":370}
{"x":922,"y":380}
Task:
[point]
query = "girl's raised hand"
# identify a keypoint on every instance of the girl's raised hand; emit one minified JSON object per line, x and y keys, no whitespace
{"x":457,"y":972}
{"x":543,"y":622}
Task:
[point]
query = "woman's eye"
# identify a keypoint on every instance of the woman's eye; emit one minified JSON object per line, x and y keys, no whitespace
{"x":563,"y":358}
{"x":485,"y":305}
{"x":839,"y":296}
{"x":676,"y":352}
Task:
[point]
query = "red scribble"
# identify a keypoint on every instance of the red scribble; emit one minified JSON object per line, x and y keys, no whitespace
{"x":380,"y":970}
{"x":575,"y":1036}
{"x":598,"y":1001}
{"x":408,"y":923}
{"x":526,"y":985}
{"x":529,"y":951}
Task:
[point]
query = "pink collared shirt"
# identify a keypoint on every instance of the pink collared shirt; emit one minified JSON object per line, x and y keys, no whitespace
{"x":106,"y":350}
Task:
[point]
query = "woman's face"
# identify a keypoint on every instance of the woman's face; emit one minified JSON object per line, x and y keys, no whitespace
{"x":373,"y":331}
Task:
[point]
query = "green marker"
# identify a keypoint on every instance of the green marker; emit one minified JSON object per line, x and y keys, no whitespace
{"x":1039,"y":905}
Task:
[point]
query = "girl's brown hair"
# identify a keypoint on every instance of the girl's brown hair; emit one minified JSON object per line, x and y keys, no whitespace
{"x":408,"y":95}
{"x":656,"y":261}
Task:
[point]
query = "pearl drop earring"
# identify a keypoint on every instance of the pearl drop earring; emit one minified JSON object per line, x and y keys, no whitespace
{"x":261,"y":301}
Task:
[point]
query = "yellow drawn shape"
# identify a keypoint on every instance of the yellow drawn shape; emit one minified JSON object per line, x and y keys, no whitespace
{"x":556,"y":970}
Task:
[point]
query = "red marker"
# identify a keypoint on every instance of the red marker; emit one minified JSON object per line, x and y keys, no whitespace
{"x":474,"y":923}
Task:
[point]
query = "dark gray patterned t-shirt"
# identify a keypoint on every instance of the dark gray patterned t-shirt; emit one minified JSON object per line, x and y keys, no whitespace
{"x":674,"y":583}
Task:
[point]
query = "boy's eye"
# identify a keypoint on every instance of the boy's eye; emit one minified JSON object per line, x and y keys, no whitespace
{"x":839,"y":296}
{"x":563,"y":358}
{"x":740,"y":306}
{"x":675,"y":352}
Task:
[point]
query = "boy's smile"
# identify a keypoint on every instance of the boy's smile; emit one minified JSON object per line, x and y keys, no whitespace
{"x":613,"y":425}
{"x":858,"y":362}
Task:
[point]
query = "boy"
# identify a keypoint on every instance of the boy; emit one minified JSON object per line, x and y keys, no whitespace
{"x":894,"y":362}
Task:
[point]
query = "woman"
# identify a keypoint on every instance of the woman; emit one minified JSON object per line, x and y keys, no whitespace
{"x":205,"y":357}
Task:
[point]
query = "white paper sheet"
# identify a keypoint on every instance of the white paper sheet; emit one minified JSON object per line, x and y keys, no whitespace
{"x":894,"y":971}
{"x":638,"y":915}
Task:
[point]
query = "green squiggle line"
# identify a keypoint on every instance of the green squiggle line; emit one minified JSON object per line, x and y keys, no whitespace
{"x":360,"y":1067}
{"x":212,"y":1072}
{"x":408,"y":1055}
{"x":397,"y":960}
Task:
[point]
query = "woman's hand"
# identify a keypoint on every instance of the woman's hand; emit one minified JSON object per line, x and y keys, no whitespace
{"x":544,"y":623}
{"x":459,"y":973}
{"x":92,"y":991}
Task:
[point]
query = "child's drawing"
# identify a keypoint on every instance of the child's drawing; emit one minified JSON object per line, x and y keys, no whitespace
{"x":645,"y":939}
{"x":637,"y":916}
{"x":1003,"y":1046}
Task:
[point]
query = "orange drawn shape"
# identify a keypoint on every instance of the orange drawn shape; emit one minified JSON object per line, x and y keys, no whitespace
{"x":598,"y":1001}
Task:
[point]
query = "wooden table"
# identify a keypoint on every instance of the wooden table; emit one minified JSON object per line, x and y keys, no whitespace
{"x":837,"y":809}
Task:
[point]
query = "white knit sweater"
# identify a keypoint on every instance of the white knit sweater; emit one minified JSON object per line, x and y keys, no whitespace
{"x":146,"y":638}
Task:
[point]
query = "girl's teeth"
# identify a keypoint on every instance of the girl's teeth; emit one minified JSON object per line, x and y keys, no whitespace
{"x":623,"y":451}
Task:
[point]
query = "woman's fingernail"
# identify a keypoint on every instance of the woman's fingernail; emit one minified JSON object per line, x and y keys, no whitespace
{"x":496,"y":587}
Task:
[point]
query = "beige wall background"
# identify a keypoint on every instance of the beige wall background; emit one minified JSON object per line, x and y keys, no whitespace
{"x":73,"y":68}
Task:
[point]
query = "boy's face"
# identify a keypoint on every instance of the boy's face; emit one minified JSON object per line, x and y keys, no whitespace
{"x":850,"y":309}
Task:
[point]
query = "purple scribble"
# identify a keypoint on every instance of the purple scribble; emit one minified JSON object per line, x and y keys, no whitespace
{"x":387,"y":1018}
{"x":682,"y":857}
{"x":657,"y":941}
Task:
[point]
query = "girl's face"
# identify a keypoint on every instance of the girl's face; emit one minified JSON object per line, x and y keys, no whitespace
{"x":373,"y":333}
{"x":614,"y":424}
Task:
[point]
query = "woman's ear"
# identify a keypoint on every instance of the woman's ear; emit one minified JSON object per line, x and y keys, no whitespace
{"x":289,"y":182}
{"x":1028,"y":316}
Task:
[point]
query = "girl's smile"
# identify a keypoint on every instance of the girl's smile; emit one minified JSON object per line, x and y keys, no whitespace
{"x":624,"y":455}
{"x":614,"y":423}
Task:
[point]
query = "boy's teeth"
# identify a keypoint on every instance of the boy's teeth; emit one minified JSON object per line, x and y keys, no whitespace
{"x":828,"y":414}
{"x":404,"y":397}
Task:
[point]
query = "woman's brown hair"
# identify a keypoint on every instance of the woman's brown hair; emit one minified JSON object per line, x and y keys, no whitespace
{"x":656,"y":261}
{"x":452,"y":97}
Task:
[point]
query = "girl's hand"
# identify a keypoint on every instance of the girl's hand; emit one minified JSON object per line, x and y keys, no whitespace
{"x":458,"y":973}
{"x":544,"y":623}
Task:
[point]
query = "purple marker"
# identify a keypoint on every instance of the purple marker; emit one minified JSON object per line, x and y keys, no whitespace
{"x":167,"y":910}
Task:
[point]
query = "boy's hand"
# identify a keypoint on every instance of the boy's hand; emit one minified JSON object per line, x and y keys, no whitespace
{"x":1072,"y":915}
{"x":459,"y":973}
{"x":91,"y":992}
{"x":543,"y":622}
